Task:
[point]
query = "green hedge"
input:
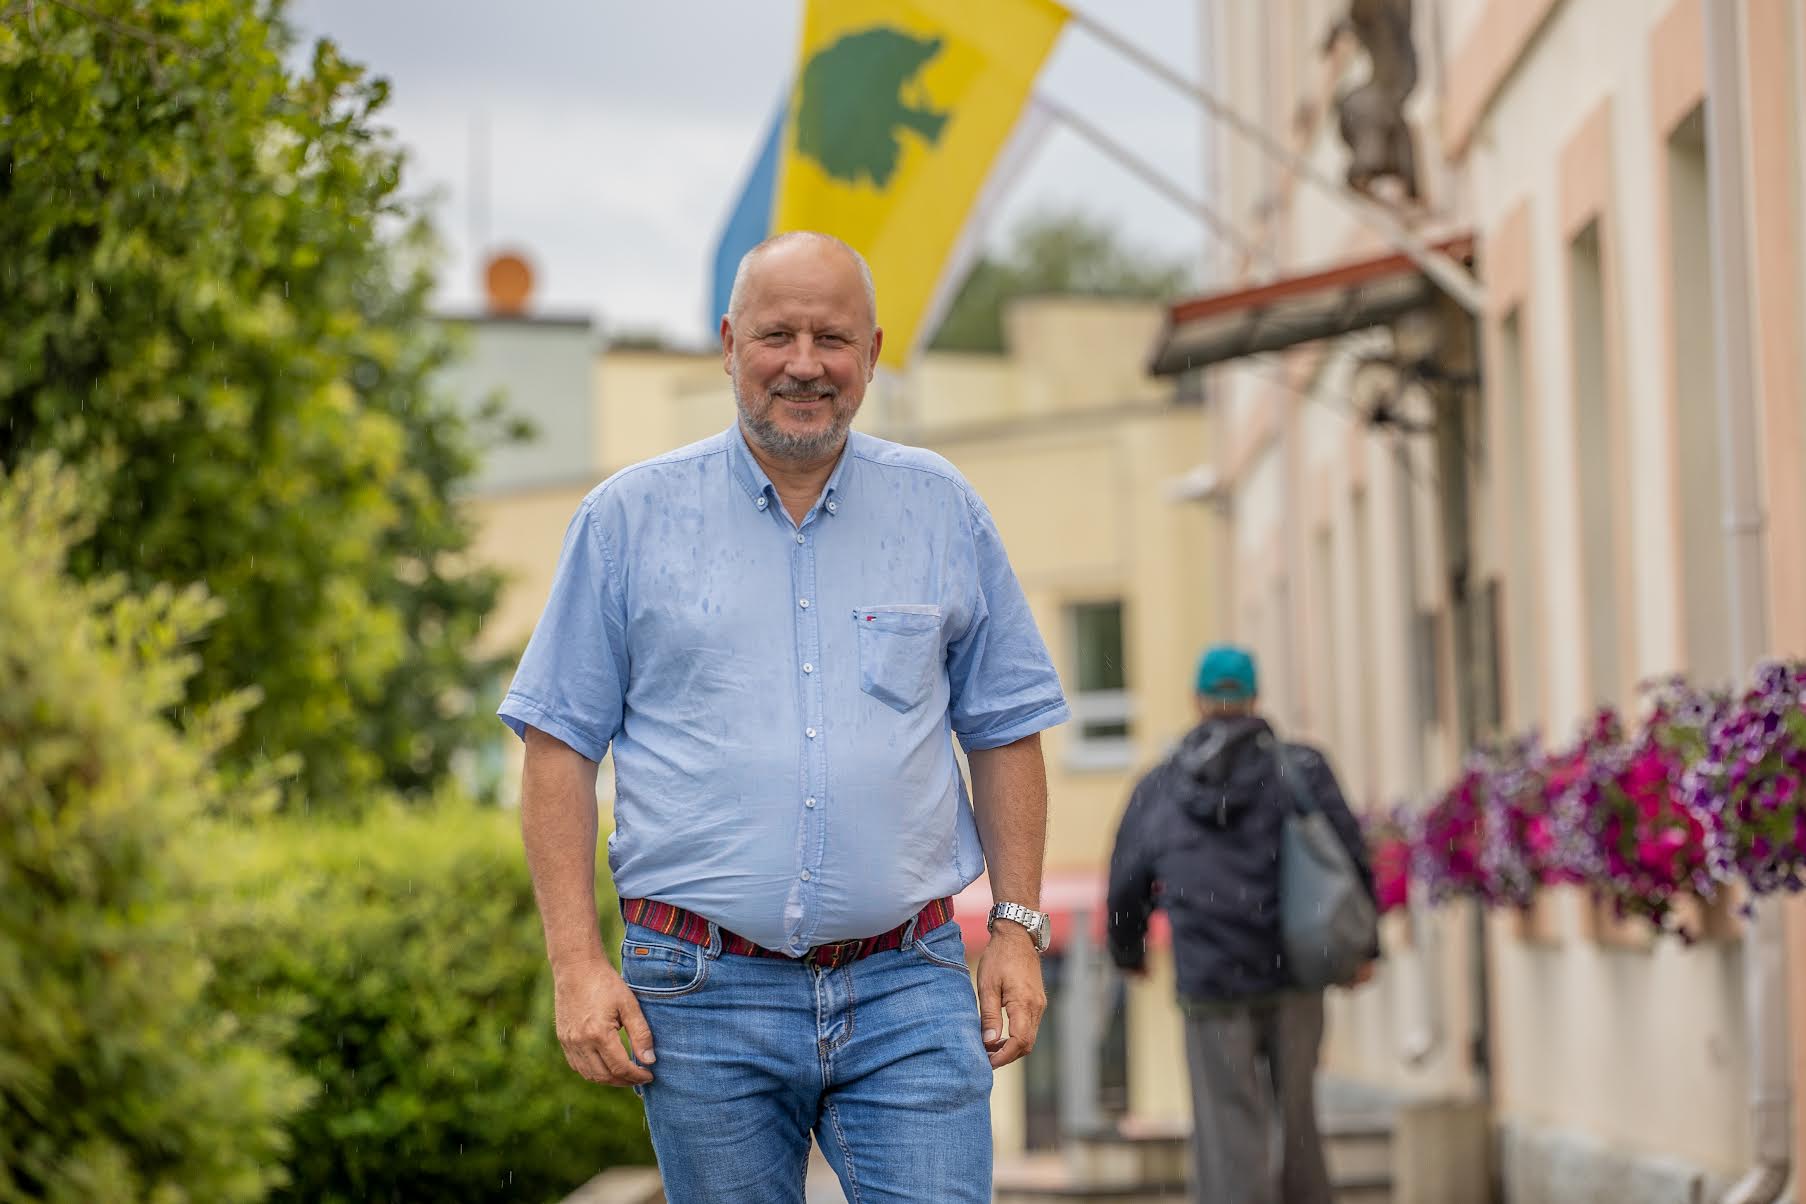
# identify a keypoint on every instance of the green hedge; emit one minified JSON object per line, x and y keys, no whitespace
{"x":120,"y":1080}
{"x":402,"y":956}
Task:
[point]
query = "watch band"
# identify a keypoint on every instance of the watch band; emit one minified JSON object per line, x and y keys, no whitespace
{"x":1035,"y":922}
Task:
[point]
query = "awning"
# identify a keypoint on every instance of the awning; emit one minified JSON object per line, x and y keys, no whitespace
{"x":1301,"y":309}
{"x":1064,"y":897}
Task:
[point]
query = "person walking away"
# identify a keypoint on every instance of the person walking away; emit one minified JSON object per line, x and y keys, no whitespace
{"x":1201,"y":838}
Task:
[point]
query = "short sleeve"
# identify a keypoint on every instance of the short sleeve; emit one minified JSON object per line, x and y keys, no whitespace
{"x":573,"y":675}
{"x":1001,"y":683}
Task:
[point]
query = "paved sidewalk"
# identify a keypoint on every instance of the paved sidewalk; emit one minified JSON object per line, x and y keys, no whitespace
{"x":823,"y":1187}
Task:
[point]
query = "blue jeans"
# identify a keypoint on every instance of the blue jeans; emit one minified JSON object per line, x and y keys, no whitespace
{"x":880,"y":1058}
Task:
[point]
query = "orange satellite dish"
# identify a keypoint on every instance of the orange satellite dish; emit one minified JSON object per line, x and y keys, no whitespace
{"x":508,"y":281}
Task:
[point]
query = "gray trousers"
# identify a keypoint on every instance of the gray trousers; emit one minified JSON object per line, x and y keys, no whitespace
{"x":1254,"y":1101}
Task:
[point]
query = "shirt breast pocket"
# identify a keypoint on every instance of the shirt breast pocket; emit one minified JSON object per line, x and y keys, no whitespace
{"x":900,"y":653}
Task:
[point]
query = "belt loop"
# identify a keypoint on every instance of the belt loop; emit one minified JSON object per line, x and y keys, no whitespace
{"x":714,"y":949}
{"x":909,"y":930}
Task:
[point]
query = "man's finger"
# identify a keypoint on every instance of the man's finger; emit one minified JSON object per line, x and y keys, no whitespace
{"x":585,"y":1063}
{"x":1025,"y":1021}
{"x":990,"y":1012}
{"x":621,"y":1070}
{"x":1008,"y":1052}
{"x":639,"y":1033}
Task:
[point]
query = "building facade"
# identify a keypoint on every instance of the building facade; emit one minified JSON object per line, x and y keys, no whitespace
{"x":1423,"y":559}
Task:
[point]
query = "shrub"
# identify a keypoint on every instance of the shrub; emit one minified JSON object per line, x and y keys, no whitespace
{"x":405,"y":953}
{"x":118,"y":1080}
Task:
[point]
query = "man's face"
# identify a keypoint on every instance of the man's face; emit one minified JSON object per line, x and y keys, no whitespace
{"x":801,"y":350}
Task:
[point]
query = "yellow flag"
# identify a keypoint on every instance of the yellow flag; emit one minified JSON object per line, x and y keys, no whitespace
{"x":899,"y":109}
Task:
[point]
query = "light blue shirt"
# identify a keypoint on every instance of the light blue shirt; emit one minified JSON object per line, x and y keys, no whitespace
{"x":780,"y":696}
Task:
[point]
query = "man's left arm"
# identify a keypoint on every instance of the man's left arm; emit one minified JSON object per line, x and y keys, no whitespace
{"x":1002,"y":693}
{"x":1009,"y":800}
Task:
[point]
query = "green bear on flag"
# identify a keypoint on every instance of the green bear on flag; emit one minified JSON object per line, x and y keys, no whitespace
{"x":851,"y":107}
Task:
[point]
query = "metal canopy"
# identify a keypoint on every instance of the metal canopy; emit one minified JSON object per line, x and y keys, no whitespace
{"x":1300,"y":309}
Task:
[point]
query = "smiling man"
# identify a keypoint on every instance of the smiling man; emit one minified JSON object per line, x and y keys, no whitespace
{"x":776,"y":631}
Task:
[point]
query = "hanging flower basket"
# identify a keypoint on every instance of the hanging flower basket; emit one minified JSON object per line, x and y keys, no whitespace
{"x":1520,"y":854}
{"x":1748,"y":786}
{"x":1446,"y":854}
{"x":1623,"y":824}
{"x":1388,"y":835}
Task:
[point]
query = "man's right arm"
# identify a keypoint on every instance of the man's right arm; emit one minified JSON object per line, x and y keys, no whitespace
{"x":559,"y":829}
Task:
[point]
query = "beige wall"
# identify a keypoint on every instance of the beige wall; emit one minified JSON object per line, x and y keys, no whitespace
{"x":636,"y":418}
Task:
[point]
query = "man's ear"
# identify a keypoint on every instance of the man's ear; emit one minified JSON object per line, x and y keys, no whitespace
{"x":727,"y":345}
{"x":871,"y":368}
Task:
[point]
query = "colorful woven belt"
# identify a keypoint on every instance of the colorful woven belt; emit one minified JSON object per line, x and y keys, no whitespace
{"x":688,"y":926}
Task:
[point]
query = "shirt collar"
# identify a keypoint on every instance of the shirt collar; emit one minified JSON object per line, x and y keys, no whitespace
{"x":757,"y":484}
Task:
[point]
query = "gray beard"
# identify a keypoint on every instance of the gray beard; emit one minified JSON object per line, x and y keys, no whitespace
{"x":782,"y":445}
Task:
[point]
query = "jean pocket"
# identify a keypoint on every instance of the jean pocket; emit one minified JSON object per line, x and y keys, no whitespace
{"x":899,"y":653}
{"x":943,"y":947}
{"x":661,"y":970}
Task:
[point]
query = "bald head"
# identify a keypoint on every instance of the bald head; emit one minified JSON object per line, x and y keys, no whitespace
{"x":798,"y":247}
{"x":801,"y":341}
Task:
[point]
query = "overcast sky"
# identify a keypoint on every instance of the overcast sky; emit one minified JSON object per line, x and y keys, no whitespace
{"x":619,"y":132}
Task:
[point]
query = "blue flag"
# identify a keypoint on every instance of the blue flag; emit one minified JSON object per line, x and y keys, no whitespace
{"x":750,"y":222}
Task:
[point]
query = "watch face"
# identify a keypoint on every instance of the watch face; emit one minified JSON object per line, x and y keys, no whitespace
{"x":1036,"y":923}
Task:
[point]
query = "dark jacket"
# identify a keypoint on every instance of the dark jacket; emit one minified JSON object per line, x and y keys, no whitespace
{"x":1201,"y":839}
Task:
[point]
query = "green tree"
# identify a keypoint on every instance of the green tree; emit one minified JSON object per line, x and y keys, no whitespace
{"x":208,"y":273}
{"x":119,"y":1079}
{"x":1051,"y":253}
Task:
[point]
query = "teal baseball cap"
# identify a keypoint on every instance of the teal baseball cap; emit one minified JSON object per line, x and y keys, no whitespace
{"x":1227,"y":672}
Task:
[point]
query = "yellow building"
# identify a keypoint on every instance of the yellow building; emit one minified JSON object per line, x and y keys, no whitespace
{"x":1077,"y":451}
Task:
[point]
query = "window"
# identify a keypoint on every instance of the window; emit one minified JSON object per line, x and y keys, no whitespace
{"x":1706,"y":607}
{"x":1366,"y":662}
{"x":1426,"y":635}
{"x":1593,"y":459}
{"x":1100,"y":703}
{"x":1519,"y":618}
{"x":1489,"y":660}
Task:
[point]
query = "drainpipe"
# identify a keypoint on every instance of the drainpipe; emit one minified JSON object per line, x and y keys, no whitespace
{"x":1765,"y":948}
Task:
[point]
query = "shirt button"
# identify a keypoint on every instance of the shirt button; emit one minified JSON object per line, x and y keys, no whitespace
{"x":799,"y":537}
{"x":809,"y":732}
{"x":808,"y":668}
{"x":833,"y":507}
{"x":809,"y":802}
{"x":805,"y":875}
{"x":762,"y":503}
{"x":803,"y":602}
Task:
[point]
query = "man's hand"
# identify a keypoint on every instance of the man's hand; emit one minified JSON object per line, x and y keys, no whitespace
{"x":593,"y":1006}
{"x":1009,"y":982}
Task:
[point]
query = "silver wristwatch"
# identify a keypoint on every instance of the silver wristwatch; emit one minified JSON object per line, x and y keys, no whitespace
{"x":1039,"y":929}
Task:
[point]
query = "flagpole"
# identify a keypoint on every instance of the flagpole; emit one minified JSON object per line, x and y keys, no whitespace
{"x":1219,"y":225}
{"x":1449,"y":275}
